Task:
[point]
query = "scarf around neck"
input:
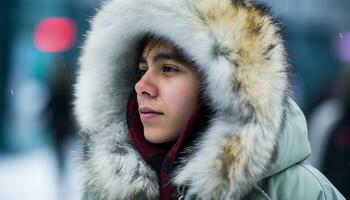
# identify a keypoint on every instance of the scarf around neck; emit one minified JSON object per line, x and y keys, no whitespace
{"x":162,"y":157}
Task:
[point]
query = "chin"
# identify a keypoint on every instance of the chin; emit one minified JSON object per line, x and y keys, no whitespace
{"x":157,"y":138}
{"x":154,"y":139}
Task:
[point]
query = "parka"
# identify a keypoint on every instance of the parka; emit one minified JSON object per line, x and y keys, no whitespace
{"x":256,"y":140}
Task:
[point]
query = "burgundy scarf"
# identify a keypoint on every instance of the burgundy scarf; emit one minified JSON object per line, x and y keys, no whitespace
{"x":160,"y":156}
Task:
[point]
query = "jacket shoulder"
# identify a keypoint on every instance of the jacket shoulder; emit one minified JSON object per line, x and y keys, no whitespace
{"x":301,"y":181}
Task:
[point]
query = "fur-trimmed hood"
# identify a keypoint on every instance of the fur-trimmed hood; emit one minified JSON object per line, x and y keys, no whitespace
{"x":238,"y":49}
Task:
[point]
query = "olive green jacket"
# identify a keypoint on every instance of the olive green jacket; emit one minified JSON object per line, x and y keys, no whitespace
{"x":289,"y":177}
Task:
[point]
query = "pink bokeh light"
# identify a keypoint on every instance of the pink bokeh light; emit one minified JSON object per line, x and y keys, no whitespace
{"x":57,"y":34}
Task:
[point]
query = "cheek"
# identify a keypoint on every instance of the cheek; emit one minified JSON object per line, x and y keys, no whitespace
{"x":182,"y":98}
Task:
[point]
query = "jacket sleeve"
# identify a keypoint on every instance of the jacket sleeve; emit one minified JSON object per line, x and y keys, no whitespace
{"x":301,"y":181}
{"x":328,"y":191}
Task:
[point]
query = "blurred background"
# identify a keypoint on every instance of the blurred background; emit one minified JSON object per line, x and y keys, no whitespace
{"x":40,"y":44}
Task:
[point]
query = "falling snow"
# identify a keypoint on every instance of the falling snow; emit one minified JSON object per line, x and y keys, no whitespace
{"x":11,"y":92}
{"x":341,"y":35}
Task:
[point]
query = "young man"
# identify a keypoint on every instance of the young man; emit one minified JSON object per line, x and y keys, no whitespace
{"x":190,"y":100}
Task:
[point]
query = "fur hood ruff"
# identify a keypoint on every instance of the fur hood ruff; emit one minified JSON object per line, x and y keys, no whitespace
{"x":238,"y":49}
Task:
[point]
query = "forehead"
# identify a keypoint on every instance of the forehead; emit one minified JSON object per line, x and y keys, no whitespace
{"x":154,"y":47}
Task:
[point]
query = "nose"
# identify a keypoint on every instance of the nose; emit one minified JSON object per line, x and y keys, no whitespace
{"x":146,"y":86}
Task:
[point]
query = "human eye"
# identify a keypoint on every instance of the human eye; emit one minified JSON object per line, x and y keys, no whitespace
{"x":169,"y":69}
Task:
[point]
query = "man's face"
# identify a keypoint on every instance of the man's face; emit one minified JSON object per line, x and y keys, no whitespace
{"x":167,"y":93}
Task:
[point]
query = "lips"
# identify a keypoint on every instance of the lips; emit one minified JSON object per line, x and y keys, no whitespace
{"x":147,"y":113}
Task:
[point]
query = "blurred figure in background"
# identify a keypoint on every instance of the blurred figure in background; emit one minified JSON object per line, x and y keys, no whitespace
{"x":330,"y":135}
{"x":60,"y":112}
{"x":336,"y":164}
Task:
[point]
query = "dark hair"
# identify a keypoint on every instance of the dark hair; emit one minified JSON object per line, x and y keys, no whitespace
{"x":153,"y":40}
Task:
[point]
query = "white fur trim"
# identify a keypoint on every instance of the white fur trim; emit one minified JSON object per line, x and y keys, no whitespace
{"x":242,"y":57}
